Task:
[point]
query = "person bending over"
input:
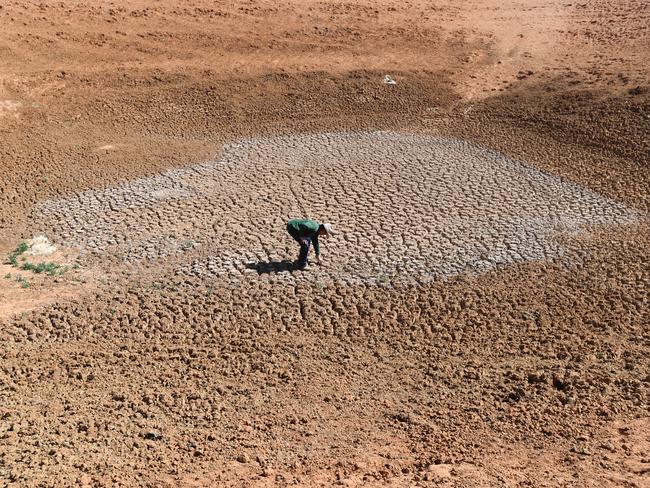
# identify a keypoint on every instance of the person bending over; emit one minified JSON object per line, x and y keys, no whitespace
{"x":306,"y":232}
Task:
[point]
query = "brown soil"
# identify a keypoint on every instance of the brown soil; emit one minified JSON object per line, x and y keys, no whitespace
{"x":535,"y":374}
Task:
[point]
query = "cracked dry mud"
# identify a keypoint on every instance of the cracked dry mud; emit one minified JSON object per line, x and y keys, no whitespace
{"x":409,"y":208}
{"x":501,"y":340}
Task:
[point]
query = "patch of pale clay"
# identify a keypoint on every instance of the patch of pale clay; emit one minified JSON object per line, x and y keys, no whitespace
{"x":409,"y":208}
{"x":40,"y":246}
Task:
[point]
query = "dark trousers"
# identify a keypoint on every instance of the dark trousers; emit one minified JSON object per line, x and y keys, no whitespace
{"x":304,"y":242}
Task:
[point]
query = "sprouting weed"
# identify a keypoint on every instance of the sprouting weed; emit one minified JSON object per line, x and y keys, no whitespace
{"x":48,"y":268}
{"x":13,"y":257}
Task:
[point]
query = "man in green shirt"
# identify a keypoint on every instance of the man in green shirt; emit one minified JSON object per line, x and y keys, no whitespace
{"x":304,"y":233}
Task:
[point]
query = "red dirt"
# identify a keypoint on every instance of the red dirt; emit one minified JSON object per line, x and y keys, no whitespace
{"x":533,"y":375}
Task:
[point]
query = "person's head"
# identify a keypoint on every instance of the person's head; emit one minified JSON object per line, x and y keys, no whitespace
{"x":325,"y":230}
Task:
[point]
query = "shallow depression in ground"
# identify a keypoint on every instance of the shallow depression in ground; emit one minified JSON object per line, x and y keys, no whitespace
{"x":408,"y":207}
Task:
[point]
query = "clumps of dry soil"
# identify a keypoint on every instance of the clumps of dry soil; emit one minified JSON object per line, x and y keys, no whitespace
{"x":525,"y":367}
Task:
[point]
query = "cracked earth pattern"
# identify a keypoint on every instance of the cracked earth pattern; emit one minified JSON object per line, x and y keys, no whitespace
{"x":408,"y":208}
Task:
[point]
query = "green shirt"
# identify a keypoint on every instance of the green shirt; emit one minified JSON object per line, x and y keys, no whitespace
{"x":305,"y":228}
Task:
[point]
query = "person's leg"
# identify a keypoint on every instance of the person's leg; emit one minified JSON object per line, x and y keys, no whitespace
{"x":294,"y":234}
{"x":305,"y":242}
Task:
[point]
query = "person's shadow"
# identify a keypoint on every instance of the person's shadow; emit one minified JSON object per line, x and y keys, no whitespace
{"x":264,"y":267}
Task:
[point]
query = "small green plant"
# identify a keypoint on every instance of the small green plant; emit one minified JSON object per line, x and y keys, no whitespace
{"x":13,"y":257}
{"x":23,"y":282}
{"x":49,"y":268}
{"x":8,"y":276}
